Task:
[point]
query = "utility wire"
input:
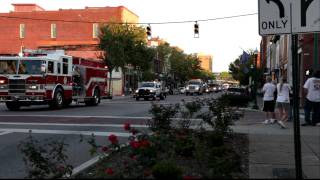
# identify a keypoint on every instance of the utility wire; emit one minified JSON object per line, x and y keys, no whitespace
{"x":169,"y":22}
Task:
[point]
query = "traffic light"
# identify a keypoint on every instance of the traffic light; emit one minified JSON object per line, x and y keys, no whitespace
{"x":149,"y":31}
{"x":196,"y":30}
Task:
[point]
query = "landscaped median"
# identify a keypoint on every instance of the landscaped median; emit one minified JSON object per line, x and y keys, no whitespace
{"x":171,"y":147}
{"x":176,"y":151}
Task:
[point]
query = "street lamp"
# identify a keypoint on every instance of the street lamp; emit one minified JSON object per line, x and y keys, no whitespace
{"x":254,"y":82}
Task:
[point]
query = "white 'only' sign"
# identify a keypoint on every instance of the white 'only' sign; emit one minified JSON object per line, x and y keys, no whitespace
{"x":288,"y":16}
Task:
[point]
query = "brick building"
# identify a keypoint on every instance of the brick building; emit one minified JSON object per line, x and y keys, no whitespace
{"x":206,"y":61}
{"x":30,"y":26}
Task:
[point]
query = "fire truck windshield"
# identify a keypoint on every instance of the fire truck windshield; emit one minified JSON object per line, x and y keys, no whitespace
{"x":30,"y":66}
{"x":8,"y":66}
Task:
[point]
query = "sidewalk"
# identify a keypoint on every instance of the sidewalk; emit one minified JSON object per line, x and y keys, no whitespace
{"x":271,"y":149}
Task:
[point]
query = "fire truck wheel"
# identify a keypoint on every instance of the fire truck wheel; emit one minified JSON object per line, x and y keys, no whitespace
{"x":58,"y":100}
{"x":13,"y":106}
{"x":95,"y":100}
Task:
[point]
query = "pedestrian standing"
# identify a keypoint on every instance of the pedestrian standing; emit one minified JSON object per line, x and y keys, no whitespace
{"x":268,"y":100}
{"x":283,"y":102}
{"x":312,"y":100}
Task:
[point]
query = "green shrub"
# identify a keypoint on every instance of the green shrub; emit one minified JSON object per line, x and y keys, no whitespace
{"x":166,"y":169}
{"x":184,"y":145}
{"x":162,"y":117}
{"x":45,"y":161}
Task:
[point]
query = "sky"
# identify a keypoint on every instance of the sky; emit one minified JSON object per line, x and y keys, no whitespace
{"x":224,"y":39}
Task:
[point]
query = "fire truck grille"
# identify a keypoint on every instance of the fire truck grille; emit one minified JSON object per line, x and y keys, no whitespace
{"x":17,"y":86}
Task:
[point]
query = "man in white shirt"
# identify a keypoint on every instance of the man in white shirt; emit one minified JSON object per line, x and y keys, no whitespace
{"x":268,"y":100}
{"x":312,"y":100}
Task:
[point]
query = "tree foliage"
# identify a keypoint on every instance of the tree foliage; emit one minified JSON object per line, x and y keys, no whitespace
{"x":125,"y":44}
{"x":242,"y":71}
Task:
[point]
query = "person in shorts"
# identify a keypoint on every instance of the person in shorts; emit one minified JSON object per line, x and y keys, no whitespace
{"x":268,"y":100}
{"x":283,"y":102}
{"x":312,"y":100}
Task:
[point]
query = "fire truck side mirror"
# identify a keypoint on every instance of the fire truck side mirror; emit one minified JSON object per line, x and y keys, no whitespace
{"x":43,"y":68}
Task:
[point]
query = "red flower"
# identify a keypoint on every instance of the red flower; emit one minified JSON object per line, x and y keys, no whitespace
{"x":105,"y":148}
{"x":133,"y":157}
{"x":134,"y":144}
{"x":60,"y":168}
{"x":144,"y":143}
{"x":109,"y":171}
{"x":113,"y":139}
{"x":191,"y":177}
{"x":134,"y":131}
{"x":126,"y":126}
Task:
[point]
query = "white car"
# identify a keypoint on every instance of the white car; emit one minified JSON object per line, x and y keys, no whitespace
{"x":150,"y":89}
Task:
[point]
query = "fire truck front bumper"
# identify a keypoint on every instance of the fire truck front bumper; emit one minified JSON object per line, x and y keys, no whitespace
{"x":23,"y":98}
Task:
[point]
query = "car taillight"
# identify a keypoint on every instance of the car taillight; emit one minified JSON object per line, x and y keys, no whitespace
{"x":2,"y":81}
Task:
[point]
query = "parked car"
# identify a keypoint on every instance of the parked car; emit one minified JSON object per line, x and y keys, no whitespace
{"x":237,"y":91}
{"x":195,"y":86}
{"x":237,"y":96}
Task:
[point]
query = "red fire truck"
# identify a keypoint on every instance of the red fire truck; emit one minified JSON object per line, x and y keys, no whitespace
{"x":51,"y":77}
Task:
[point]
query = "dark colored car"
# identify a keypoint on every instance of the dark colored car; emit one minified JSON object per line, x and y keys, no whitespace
{"x":237,"y":96}
{"x":237,"y":91}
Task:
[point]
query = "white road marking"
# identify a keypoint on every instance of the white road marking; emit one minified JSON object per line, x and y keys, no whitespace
{"x":4,"y":133}
{"x":90,"y":162}
{"x":66,"y":132}
{"x":64,"y":116}
{"x":85,"y":165}
{"x":67,"y":124}
{"x":103,"y":117}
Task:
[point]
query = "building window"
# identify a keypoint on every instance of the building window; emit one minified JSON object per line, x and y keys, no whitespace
{"x":53,"y":31}
{"x":95,"y":30}
{"x":22,"y":30}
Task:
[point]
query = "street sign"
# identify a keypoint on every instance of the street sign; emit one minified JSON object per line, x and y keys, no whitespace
{"x":306,"y":16}
{"x":291,"y":17}
{"x":274,"y":17}
{"x":288,"y":16}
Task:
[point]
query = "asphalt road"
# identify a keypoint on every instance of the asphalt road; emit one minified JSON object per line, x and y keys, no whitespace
{"x":68,"y":124}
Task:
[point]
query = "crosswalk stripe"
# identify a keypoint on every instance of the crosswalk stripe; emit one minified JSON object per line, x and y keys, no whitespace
{"x":67,"y":124}
{"x":66,"y":132}
{"x":4,"y":133}
{"x":100,"y":117}
{"x":67,"y":116}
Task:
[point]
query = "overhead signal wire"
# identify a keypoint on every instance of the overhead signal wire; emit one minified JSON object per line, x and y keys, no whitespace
{"x":143,"y":23}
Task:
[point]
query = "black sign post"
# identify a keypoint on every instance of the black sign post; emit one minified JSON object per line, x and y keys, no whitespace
{"x":296,"y":120}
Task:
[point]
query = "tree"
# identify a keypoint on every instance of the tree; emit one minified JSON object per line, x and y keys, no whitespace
{"x":225,"y":76}
{"x":242,"y":71}
{"x":185,"y":66}
{"x":124,"y":44}
{"x":207,"y":75}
